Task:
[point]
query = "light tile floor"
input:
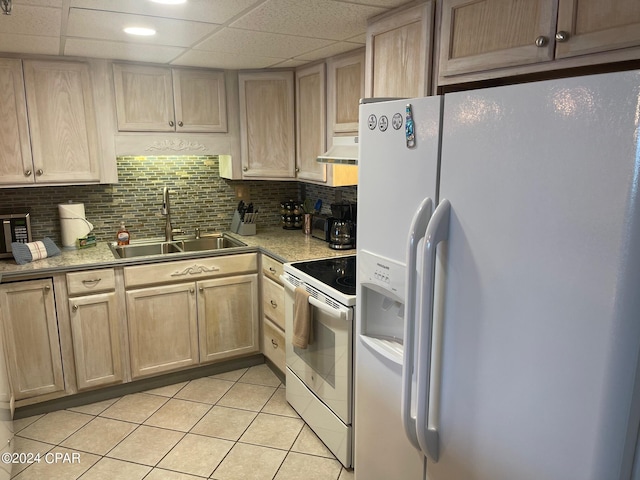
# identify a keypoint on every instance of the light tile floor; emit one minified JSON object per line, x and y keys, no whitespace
{"x":232,"y":426}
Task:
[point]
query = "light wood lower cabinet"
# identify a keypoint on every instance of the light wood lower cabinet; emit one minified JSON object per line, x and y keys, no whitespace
{"x":163,"y":329}
{"x":227,"y":317}
{"x":96,"y":340}
{"x":32,"y":340}
{"x":95,"y":328}
{"x":273,"y":312}
{"x":191,"y":312}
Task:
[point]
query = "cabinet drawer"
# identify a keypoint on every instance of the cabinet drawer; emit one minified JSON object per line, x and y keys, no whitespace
{"x":83,"y":283}
{"x":189,"y":270}
{"x":273,"y":301}
{"x":273,"y":344}
{"x":271,"y":268}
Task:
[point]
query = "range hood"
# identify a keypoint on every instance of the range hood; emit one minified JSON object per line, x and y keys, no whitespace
{"x":345,"y":151}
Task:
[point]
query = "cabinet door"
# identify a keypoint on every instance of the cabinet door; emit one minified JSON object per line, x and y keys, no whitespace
{"x":144,"y":98}
{"x":399,"y":54}
{"x":33,"y":344}
{"x":484,"y":34}
{"x":589,"y":26}
{"x":345,"y":89}
{"x":228,"y":317}
{"x":96,"y":340}
{"x":16,"y":165}
{"x":267,"y":130}
{"x":200,"y":101}
{"x":163,"y":331}
{"x":64,"y":137}
{"x":311,"y":121}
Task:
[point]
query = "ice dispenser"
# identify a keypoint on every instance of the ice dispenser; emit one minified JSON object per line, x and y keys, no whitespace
{"x":381,"y":298}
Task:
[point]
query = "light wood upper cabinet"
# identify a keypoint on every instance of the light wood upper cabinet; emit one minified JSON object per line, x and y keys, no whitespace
{"x":28,"y":314}
{"x":158,"y":99}
{"x":590,"y":26}
{"x":399,"y":53}
{"x":482,"y":39}
{"x":345,"y":87}
{"x":228,"y":317}
{"x":15,"y":148}
{"x":311,"y":121}
{"x":485,"y":34}
{"x":62,"y":119}
{"x":267,"y":128}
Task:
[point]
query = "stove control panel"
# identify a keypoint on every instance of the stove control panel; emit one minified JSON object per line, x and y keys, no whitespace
{"x":383,"y":272}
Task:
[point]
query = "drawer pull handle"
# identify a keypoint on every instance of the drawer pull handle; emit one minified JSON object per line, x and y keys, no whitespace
{"x":274,"y":343}
{"x":91,"y":283}
{"x":272,"y":270}
{"x":273,"y":304}
{"x":194,"y":270}
{"x":74,"y":308}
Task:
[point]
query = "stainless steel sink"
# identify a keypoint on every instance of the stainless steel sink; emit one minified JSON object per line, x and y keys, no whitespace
{"x":145,"y":248}
{"x":209,"y":243}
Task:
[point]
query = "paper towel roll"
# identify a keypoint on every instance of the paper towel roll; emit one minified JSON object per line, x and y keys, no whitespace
{"x":73,"y":223}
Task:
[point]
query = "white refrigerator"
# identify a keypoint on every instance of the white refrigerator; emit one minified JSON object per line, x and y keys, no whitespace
{"x":498,"y":327}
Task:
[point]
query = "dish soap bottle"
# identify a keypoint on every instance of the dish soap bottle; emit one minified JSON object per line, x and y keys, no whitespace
{"x":123,"y":235}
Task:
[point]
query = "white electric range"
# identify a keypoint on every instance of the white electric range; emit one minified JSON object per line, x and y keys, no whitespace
{"x":320,"y":377}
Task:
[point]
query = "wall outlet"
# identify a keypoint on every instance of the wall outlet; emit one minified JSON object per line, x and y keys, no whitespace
{"x":242,"y":193}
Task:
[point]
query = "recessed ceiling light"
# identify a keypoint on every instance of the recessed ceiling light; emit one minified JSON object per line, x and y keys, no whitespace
{"x":170,"y":2}
{"x":145,"y":32}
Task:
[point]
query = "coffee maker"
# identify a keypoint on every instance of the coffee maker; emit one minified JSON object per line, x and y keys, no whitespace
{"x":342,"y":235}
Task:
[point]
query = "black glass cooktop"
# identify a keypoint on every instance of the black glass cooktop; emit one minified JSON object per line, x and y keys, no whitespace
{"x":337,"y":272}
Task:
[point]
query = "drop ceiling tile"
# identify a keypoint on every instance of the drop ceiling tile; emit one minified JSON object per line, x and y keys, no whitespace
{"x":318,"y":18}
{"x":12,"y":43}
{"x":39,"y":3}
{"x":229,"y":61}
{"x":232,"y":40}
{"x":30,"y":20}
{"x":82,"y":47}
{"x":377,"y":3}
{"x":211,"y":11}
{"x":291,"y":63}
{"x":330,"y":51}
{"x":100,"y":25}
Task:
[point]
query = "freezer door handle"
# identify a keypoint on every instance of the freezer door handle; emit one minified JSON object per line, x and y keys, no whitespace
{"x":437,"y":231}
{"x":416,"y":233}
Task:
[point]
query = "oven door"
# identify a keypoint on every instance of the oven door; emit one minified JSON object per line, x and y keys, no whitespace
{"x":325,"y":366}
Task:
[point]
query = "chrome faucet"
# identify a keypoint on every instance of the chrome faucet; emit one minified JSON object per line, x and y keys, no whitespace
{"x":166,"y":211}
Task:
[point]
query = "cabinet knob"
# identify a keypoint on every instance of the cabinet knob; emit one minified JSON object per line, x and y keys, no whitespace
{"x":541,"y":41}
{"x":171,"y":124}
{"x":74,"y":308}
{"x":180,"y":124}
{"x":27,"y":173}
{"x":47,"y":288}
{"x":39,"y":172}
{"x":297,"y":169}
{"x":274,"y":343}
{"x":201,"y":289}
{"x":244,"y":169}
{"x":562,"y":36}
{"x":273,"y":304}
{"x":192,"y":290}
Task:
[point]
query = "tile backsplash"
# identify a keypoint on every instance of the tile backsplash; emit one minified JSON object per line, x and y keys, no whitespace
{"x":201,"y":199}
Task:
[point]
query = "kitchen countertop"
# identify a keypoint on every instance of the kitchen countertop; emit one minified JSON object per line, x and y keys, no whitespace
{"x":283,"y":245}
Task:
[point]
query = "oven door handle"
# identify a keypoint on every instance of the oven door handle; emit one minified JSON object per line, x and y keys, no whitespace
{"x":342,"y":313}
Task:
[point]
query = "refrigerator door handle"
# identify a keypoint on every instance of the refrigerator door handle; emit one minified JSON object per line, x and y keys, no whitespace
{"x":416,"y":233}
{"x":437,"y":231}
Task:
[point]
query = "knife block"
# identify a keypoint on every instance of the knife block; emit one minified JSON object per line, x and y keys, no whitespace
{"x":238,"y":226}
